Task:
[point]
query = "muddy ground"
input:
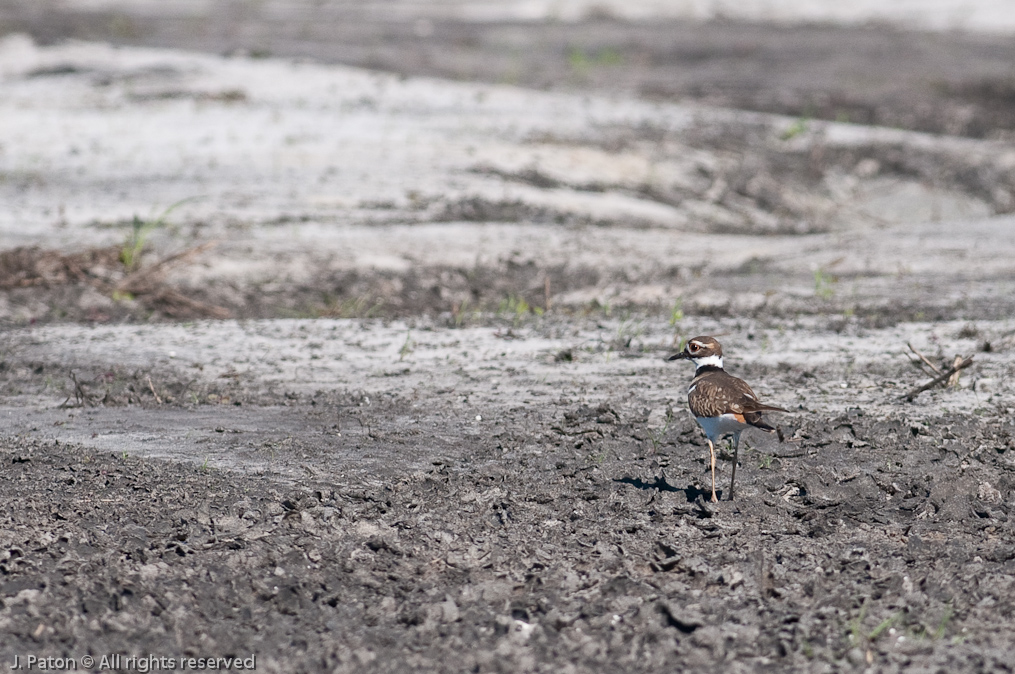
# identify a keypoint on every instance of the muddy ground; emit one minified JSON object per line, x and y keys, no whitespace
{"x":524,"y":507}
{"x":346,"y":495}
{"x":951,"y":81}
{"x":407,"y":410}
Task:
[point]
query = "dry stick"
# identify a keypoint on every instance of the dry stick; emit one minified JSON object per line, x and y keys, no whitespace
{"x":937,"y":380}
{"x":146,"y":282}
{"x":177,"y":300}
{"x":934,"y":367}
{"x":80,"y":395}
{"x":954,"y":379}
{"x":152,"y":387}
{"x":136,"y":280}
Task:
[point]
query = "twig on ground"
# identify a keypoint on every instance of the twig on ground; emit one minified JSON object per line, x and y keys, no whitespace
{"x":148,"y":282}
{"x":947,"y":374}
{"x":80,"y":394}
{"x":152,"y":387}
{"x":176,"y":304}
{"x":144,"y":280}
{"x":922,"y":357}
{"x":954,"y":379}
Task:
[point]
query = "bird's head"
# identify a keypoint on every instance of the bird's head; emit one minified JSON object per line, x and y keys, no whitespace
{"x":701,"y":351}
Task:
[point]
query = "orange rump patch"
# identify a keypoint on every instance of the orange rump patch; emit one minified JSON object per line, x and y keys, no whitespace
{"x":740,"y":418}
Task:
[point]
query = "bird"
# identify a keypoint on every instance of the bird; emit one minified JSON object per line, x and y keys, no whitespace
{"x":721,"y":403}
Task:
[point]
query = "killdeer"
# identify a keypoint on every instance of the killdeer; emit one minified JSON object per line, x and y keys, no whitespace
{"x":721,"y":403}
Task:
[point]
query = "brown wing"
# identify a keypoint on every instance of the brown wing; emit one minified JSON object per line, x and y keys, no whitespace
{"x":715,"y":393}
{"x":750,"y":401}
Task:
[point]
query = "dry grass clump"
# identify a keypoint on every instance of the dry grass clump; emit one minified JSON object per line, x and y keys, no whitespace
{"x":105,"y":270}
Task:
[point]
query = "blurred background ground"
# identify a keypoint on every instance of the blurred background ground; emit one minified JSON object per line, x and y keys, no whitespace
{"x":862,"y":63}
{"x":318,"y":191}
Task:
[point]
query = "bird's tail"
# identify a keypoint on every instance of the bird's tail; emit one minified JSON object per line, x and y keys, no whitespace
{"x":754,"y":419}
{"x":762,"y":407}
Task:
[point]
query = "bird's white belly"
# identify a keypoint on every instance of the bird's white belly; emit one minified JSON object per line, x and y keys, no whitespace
{"x":716,"y":427}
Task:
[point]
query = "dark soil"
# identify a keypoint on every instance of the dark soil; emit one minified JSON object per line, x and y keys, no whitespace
{"x":482,"y":295}
{"x":567,"y":536}
{"x":64,"y":282}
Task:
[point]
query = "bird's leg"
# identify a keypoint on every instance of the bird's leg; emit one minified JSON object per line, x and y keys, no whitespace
{"x":736,"y":451}
{"x":711,"y":454}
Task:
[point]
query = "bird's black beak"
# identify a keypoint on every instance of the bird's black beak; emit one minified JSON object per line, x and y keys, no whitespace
{"x":678,"y":356}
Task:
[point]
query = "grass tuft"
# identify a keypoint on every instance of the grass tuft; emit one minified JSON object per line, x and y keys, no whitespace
{"x":823,"y":284}
{"x":137,"y":238}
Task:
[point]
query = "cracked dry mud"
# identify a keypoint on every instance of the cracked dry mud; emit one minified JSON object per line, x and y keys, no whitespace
{"x":522,"y":497}
{"x":401,"y":455}
{"x":531,"y":561}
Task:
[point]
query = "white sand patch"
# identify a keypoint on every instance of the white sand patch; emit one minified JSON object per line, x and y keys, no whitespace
{"x":853,"y":367}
